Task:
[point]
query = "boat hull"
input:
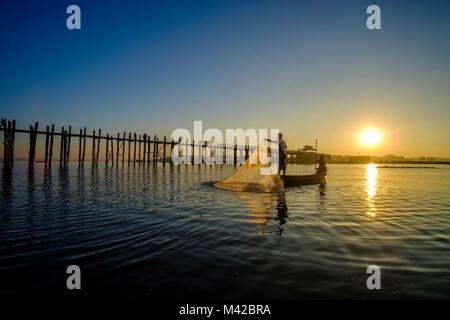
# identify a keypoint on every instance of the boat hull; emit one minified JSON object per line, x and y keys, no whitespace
{"x":303,"y":180}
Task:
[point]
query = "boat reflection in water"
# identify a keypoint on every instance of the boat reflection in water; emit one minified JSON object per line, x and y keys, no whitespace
{"x":261,"y":205}
{"x":371,"y":182}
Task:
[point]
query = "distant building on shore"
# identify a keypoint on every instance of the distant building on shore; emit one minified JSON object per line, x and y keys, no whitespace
{"x":306,"y":155}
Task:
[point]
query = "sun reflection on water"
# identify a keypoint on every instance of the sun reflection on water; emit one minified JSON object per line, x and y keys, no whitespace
{"x":371,"y":182}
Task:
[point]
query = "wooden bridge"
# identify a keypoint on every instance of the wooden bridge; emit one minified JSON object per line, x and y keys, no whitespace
{"x":130,"y":148}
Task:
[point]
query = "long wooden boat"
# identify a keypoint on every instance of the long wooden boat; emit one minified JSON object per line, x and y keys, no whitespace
{"x":296,"y":181}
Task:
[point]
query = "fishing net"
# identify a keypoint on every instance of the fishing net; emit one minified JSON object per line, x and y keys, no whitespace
{"x":250,"y":177}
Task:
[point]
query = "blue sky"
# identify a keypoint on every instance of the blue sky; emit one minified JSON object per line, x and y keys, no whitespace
{"x":310,"y":68}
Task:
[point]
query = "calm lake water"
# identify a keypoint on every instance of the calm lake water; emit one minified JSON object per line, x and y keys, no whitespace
{"x":167,"y":232}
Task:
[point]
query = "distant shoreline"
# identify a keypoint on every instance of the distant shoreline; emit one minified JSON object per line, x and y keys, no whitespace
{"x":375,"y":162}
{"x":405,"y":167}
{"x":392,"y":163}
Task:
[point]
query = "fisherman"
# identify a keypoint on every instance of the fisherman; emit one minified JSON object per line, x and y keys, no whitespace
{"x":322,"y":167}
{"x":282,"y":156}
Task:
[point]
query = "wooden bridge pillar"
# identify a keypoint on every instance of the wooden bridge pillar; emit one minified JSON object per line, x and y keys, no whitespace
{"x":50,"y":152}
{"x":134,"y":156}
{"x":123,"y":149}
{"x":112,"y":151}
{"x":47,"y":132}
{"x":93,"y":147}
{"x":164,"y":151}
{"x":61,"y":148}
{"x":107,"y":150}
{"x":118,"y":149}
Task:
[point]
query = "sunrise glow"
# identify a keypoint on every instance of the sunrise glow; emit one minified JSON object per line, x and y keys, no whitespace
{"x":370,"y":137}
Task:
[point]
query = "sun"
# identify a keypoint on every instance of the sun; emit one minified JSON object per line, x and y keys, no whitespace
{"x":370,"y":137}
